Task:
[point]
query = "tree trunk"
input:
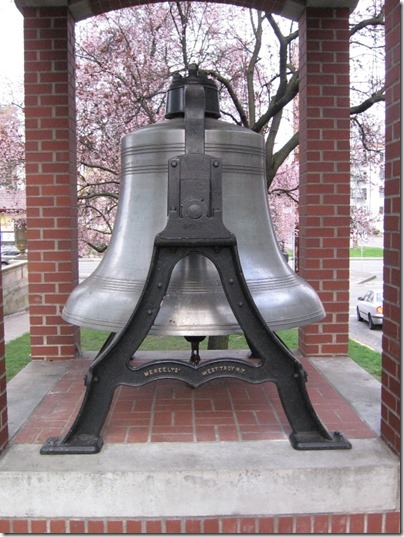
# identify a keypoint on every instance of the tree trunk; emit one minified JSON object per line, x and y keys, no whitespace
{"x":218,"y":342}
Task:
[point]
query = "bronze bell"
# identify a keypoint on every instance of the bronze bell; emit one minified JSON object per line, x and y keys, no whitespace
{"x":195,"y":303}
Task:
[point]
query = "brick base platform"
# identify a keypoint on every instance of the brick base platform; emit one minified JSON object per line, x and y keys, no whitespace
{"x":171,"y":411}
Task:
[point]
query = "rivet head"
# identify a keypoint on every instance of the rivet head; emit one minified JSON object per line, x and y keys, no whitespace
{"x":174,"y":163}
{"x":195,"y":211}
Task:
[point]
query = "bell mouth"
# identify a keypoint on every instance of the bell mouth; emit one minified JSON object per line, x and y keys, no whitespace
{"x":175,"y":106}
{"x":195,"y":303}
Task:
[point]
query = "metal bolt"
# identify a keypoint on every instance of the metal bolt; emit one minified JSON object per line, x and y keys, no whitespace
{"x":149,"y":312}
{"x":215,"y":163}
{"x":240,"y":304}
{"x":159,"y":285}
{"x":174,"y":163}
{"x":231,"y":280}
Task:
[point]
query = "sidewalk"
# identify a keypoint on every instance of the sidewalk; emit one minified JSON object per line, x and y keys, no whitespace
{"x":15,"y":325}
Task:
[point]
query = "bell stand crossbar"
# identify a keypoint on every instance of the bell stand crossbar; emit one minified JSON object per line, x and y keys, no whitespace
{"x":195,"y":226}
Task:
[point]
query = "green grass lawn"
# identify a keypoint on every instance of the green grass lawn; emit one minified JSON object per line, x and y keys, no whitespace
{"x":366,"y":251}
{"x":17,"y":355}
{"x":366,"y":358}
{"x":18,"y":350}
{"x":92,"y":340}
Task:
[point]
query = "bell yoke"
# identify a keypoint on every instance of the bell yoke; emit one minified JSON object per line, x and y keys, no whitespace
{"x":213,"y":267}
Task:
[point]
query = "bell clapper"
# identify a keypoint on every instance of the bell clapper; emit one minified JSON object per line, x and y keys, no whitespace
{"x":195,"y":340}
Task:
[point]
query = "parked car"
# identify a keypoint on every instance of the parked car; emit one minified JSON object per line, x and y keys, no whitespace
{"x":370,"y":308}
{"x":8,"y":254}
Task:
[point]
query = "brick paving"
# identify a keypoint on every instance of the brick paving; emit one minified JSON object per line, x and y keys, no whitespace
{"x":171,"y":411}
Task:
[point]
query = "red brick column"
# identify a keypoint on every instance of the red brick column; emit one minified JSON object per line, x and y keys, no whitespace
{"x":324,"y":175}
{"x":3,"y":392}
{"x":51,"y":178}
{"x":390,"y":426}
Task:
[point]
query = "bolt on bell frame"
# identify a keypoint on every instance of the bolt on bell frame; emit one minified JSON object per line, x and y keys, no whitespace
{"x":195,"y":226}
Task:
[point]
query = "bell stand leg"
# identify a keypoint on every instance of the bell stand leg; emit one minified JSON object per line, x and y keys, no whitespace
{"x":283,"y":368}
{"x":109,"y":369}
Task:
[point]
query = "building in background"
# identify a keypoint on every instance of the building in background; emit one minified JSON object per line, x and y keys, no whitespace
{"x":367,"y":189}
{"x":12,"y":215}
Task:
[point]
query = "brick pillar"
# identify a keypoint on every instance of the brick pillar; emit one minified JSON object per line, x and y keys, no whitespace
{"x":325,"y":175}
{"x":390,"y":425}
{"x":51,"y":178}
{"x":3,"y":392}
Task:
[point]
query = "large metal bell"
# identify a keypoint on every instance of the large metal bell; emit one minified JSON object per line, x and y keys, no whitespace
{"x":195,"y":303}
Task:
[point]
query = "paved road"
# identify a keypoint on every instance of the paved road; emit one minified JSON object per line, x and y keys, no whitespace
{"x":364,"y":273}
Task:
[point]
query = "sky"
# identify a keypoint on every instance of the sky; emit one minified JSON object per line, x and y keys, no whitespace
{"x":11,"y":49}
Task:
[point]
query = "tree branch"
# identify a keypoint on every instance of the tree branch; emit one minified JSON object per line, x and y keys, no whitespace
{"x":280,"y":156}
{"x":98,"y":167}
{"x":251,"y":67}
{"x":377,"y":97}
{"x":227,"y":84}
{"x":377,"y":20}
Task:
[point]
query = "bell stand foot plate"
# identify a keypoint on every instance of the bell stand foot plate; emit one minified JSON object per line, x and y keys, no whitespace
{"x":308,"y":441}
{"x":82,"y":444}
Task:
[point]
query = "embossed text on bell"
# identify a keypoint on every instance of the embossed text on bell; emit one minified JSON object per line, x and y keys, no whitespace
{"x":193,"y":253}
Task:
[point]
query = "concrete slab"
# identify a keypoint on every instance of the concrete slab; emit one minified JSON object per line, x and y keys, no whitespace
{"x":203,"y":479}
{"x":356,"y":385}
{"x":198,"y":478}
{"x":16,"y":325}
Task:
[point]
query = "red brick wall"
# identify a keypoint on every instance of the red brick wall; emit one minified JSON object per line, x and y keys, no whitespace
{"x":3,"y":392}
{"x":325,"y":175}
{"x":51,"y":178}
{"x":331,"y":523}
{"x":390,"y":426}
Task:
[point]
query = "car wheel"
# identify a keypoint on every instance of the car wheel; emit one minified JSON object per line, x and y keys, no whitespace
{"x":372,"y":325}
{"x":358,"y":315}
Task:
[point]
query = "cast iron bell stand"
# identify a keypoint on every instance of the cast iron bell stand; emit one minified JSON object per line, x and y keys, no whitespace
{"x":195,"y":226}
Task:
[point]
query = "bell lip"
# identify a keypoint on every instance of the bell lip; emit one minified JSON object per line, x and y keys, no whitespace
{"x":190,"y":330}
